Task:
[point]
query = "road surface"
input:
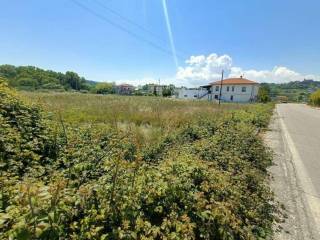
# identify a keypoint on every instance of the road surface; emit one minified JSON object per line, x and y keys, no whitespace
{"x":295,"y":139}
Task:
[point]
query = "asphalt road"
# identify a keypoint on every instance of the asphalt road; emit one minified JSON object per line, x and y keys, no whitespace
{"x":295,"y":139}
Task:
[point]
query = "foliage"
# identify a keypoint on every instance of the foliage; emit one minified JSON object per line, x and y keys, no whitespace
{"x":104,"y":88}
{"x":296,"y":91}
{"x":168,"y":91}
{"x":315,"y":98}
{"x":32,"y":78}
{"x":201,"y":178}
{"x":264,"y":94}
{"x":155,"y":90}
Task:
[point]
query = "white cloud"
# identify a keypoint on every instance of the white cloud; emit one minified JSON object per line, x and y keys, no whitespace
{"x":201,"y":70}
{"x":278,"y":74}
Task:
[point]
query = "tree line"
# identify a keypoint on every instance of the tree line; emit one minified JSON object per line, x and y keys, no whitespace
{"x":33,"y":78}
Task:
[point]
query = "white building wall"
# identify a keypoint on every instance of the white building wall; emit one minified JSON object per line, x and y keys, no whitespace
{"x":235,"y":93}
{"x":185,"y":93}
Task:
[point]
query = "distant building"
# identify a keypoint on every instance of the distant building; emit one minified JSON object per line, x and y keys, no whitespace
{"x":190,"y":93}
{"x":232,"y":90}
{"x":155,"y":89}
{"x":125,"y":89}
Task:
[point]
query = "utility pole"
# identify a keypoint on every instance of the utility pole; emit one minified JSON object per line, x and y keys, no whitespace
{"x":221,"y":86}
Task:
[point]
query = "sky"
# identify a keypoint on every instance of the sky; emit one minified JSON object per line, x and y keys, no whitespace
{"x":185,"y":42}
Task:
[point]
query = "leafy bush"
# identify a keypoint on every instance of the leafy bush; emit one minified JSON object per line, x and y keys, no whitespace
{"x":203,"y":180}
{"x":315,"y":98}
{"x":264,"y":94}
{"x":104,"y":88}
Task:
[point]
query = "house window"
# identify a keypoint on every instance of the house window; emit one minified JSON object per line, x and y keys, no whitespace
{"x":232,"y":88}
{"x":244,"y":89}
{"x":216,"y":96}
{"x":217,"y":88}
{"x":185,"y":96}
{"x":228,"y":89}
{"x":231,"y":98}
{"x":195,"y":96}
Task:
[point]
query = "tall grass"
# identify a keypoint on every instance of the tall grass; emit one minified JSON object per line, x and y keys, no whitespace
{"x":108,"y":109}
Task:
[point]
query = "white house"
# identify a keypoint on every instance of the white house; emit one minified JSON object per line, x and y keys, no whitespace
{"x":191,"y":93}
{"x":233,"y":90}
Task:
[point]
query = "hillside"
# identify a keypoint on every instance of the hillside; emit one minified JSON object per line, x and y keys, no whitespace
{"x":297,"y":91}
{"x":32,"y":78}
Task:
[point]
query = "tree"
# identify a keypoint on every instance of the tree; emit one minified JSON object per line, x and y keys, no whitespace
{"x":8,"y":71}
{"x":27,"y":84}
{"x":73,"y":80}
{"x":104,"y":88}
{"x":31,"y":78}
{"x":264,"y":94}
{"x":166,"y":92}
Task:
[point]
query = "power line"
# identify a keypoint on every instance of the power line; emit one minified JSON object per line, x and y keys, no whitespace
{"x":128,"y":20}
{"x":102,"y":17}
{"x":134,"y":23}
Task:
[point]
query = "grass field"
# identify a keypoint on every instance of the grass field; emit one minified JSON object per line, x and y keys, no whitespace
{"x":86,"y":166}
{"x":155,"y":111}
{"x":149,"y":117}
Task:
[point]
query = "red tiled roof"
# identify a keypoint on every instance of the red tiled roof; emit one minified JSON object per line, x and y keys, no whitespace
{"x":233,"y":81}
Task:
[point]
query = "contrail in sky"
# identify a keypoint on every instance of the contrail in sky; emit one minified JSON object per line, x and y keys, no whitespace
{"x":173,"y":48}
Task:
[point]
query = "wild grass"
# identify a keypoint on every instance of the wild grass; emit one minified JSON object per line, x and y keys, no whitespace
{"x":108,"y":109}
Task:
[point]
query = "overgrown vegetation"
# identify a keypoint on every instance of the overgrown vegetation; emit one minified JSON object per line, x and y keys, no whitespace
{"x":32,"y":78}
{"x":315,"y":98}
{"x":153,"y":169}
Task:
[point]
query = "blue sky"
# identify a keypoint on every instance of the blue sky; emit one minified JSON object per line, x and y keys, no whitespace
{"x":268,"y":40}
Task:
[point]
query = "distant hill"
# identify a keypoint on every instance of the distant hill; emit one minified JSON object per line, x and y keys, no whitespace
{"x":33,"y":78}
{"x":305,"y":84}
{"x":297,"y":91}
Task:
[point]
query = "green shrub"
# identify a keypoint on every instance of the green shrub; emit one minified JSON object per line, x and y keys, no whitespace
{"x":315,"y":98}
{"x":264,"y":94}
{"x":205,"y":179}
